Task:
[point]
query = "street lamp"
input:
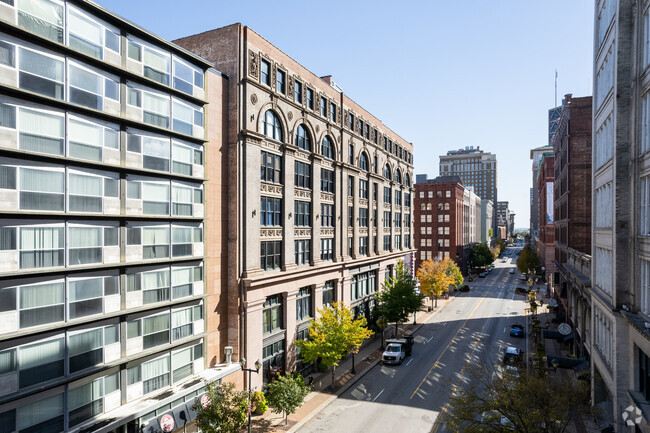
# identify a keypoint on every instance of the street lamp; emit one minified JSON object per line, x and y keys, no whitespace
{"x":258,"y":365}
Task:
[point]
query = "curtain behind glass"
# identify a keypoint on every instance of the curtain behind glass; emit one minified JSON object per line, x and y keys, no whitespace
{"x":154,"y":280}
{"x":154,"y":236}
{"x":80,"y":237}
{"x":41,"y":65}
{"x":85,"y":185}
{"x":39,"y":123}
{"x":84,"y":394}
{"x":40,"y":411}
{"x":41,"y":295}
{"x":151,"y":325}
{"x":181,"y":317}
{"x":155,"y":368}
{"x":156,"y":104}
{"x":41,"y":353}
{"x":85,"y":342}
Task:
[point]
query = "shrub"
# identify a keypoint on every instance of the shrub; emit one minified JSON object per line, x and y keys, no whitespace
{"x":259,"y":403}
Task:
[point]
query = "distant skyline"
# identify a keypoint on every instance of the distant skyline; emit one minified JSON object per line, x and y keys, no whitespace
{"x":443,"y":75}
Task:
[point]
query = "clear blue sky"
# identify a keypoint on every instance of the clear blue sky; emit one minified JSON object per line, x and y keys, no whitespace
{"x":442,"y":74}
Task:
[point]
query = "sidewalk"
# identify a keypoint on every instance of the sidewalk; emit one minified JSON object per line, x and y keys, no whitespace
{"x":580,"y":424}
{"x":369,"y":355}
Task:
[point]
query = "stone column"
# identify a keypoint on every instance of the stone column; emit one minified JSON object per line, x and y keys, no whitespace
{"x":354,"y":203}
{"x":290,"y":323}
{"x":340,"y":229}
{"x":315,"y":211}
{"x":251,"y":214}
{"x":318,"y":297}
{"x":343,"y":293}
{"x":288,"y":260}
{"x":253,"y":339}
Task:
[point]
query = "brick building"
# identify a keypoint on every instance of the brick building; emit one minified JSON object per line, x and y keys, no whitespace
{"x":572,"y":203}
{"x":328,"y":216}
{"x":545,"y":246}
{"x":439,"y":219}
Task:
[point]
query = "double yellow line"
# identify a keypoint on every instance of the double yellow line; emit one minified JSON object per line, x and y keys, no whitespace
{"x":435,"y":364}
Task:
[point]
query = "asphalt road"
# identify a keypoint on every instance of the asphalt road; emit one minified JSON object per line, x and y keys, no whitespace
{"x":471,"y":331}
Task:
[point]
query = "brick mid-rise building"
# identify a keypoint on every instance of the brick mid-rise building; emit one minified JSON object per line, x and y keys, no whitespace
{"x":438,"y":215}
{"x":545,"y":246}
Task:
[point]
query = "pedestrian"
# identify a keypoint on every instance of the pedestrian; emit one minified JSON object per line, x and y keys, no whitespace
{"x":310,"y":380}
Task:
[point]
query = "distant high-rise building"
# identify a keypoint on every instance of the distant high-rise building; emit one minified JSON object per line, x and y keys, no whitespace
{"x":553,"y":119}
{"x":502,"y":219}
{"x":475,"y":168}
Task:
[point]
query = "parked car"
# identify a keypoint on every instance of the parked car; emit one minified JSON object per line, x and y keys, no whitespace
{"x":511,"y":271}
{"x":513,"y":355}
{"x":483,"y":274}
{"x":516,"y":330}
{"x":394,"y":354}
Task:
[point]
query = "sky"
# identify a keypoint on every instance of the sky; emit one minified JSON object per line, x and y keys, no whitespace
{"x":442,"y":74}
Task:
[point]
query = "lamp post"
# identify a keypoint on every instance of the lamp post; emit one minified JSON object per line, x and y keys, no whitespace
{"x":258,"y":365}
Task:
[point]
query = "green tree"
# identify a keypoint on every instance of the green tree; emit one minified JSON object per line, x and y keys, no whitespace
{"x":501,"y":244}
{"x":226,"y":412}
{"x":287,"y":393}
{"x":524,"y":403}
{"x":480,"y":255}
{"x":529,"y":261}
{"x":333,"y":335}
{"x":436,"y":276}
{"x":397,"y":298}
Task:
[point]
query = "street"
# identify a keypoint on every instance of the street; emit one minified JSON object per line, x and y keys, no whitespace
{"x":471,"y":331}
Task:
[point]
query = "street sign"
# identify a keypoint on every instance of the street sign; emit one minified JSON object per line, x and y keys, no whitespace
{"x":205,"y":400}
{"x":167,"y":423}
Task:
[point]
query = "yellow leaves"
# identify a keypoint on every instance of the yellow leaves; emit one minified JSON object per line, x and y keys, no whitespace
{"x":436,"y":276}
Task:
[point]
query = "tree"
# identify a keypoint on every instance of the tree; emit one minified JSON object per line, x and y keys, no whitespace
{"x":334,"y":334}
{"x":501,"y":244}
{"x":452,"y":270}
{"x":509,"y":402}
{"x":397,"y":298}
{"x":480,"y":255}
{"x":226,"y":412}
{"x":529,"y":261}
{"x":436,"y":277}
{"x":287,"y":393}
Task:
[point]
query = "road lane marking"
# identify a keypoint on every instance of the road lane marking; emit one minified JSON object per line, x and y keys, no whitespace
{"x":407,"y":364}
{"x":377,"y":396}
{"x":436,"y":425}
{"x":429,"y":340}
{"x":435,"y":364}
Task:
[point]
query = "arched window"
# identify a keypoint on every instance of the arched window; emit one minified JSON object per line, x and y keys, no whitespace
{"x":363,"y":161}
{"x":326,"y":147}
{"x":398,"y":176}
{"x":407,"y":180}
{"x":272,"y":126}
{"x":303,"y":139}
{"x":429,"y":206}
{"x":423,"y":206}
{"x":387,"y":172}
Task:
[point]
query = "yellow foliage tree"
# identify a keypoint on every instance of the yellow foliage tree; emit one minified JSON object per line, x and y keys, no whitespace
{"x":436,"y":276}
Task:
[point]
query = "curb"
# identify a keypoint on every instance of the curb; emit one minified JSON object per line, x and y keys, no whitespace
{"x":352,"y":381}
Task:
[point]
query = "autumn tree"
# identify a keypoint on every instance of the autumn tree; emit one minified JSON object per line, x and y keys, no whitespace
{"x":501,"y":244}
{"x":529,"y":261}
{"x":436,"y":277}
{"x":226,"y":411}
{"x":287,"y":393}
{"x":333,"y":334}
{"x":480,"y":255}
{"x":491,"y":403}
{"x":397,"y":297}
